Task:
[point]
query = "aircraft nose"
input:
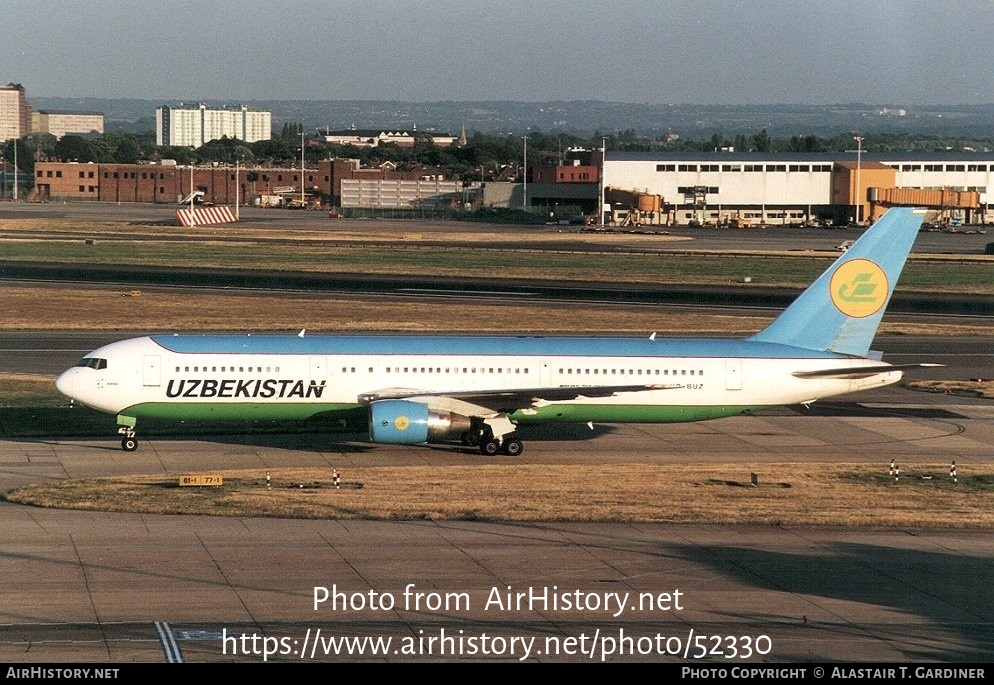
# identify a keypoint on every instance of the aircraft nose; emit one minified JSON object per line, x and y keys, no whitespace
{"x":64,"y":382}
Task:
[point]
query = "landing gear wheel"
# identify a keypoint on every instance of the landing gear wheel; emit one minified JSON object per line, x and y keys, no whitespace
{"x":490,"y":448}
{"x":129,"y":444}
{"x":513,"y":447}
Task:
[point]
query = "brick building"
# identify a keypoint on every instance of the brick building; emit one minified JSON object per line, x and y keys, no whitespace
{"x":156,"y":183}
{"x":169,"y":183}
{"x":565,"y":173}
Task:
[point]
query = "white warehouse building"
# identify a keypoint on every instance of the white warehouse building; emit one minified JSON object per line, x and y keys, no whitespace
{"x":776,"y":188}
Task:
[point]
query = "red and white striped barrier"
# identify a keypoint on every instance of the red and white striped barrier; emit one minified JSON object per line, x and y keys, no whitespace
{"x":202,"y":216}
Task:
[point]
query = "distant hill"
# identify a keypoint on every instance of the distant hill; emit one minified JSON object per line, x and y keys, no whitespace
{"x":580,"y":117}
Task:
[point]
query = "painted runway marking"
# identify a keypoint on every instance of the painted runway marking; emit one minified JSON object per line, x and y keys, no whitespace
{"x":169,"y":645}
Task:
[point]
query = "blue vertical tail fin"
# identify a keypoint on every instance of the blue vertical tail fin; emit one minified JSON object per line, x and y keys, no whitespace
{"x":841,"y":310}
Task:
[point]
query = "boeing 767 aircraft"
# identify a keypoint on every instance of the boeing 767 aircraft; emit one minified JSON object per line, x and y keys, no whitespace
{"x":416,"y":389}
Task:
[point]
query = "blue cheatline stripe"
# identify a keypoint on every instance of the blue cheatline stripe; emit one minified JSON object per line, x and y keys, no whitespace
{"x":403,"y":345}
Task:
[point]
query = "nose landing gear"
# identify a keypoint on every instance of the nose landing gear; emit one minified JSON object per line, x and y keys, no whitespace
{"x":126,"y":427}
{"x":129,"y":443}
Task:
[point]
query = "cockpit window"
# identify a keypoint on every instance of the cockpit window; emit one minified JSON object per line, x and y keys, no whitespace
{"x":92,"y":363}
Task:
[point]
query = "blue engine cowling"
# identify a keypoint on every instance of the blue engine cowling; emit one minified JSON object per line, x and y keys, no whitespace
{"x":403,"y":422}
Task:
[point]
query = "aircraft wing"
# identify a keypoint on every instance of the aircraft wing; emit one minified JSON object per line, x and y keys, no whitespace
{"x":510,"y":399}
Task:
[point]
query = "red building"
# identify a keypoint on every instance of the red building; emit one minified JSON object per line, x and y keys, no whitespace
{"x":169,"y":183}
{"x":565,"y":173}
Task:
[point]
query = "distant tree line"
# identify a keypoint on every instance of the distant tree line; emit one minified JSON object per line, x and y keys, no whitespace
{"x":483,"y":158}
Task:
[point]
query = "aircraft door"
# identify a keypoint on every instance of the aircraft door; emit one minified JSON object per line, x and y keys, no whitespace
{"x":733,"y":374}
{"x":152,"y":371}
{"x":545,"y":374}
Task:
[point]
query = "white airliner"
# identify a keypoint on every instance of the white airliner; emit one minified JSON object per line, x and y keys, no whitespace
{"x":416,"y":389}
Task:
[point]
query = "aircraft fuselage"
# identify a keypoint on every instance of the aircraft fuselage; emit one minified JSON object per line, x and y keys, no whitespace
{"x":289,"y":377}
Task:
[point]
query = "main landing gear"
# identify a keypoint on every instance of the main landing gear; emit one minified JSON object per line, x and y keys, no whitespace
{"x":510,"y":445}
{"x":482,"y":435}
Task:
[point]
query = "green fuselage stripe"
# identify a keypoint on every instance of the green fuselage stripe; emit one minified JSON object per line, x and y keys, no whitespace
{"x":581,"y":413}
{"x":236,"y":411}
{"x":607,"y":413}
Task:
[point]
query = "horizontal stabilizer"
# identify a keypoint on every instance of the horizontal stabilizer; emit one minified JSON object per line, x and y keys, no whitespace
{"x":859,"y":371}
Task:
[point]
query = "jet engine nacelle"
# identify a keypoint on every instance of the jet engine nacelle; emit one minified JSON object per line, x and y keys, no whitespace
{"x":403,"y":422}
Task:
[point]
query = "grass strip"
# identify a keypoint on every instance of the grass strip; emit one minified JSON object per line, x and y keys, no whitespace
{"x":791,"y":494}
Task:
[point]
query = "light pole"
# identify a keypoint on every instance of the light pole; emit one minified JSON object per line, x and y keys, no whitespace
{"x":193,"y":220}
{"x":524,"y":194}
{"x":600,"y":185}
{"x":859,"y":155}
{"x":237,"y":216}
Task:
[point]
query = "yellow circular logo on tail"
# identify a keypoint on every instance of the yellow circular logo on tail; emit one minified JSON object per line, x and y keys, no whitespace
{"x":858,"y":288}
{"x":402,"y":423}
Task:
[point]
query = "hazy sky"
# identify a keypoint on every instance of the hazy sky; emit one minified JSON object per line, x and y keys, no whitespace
{"x":677,"y":51}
